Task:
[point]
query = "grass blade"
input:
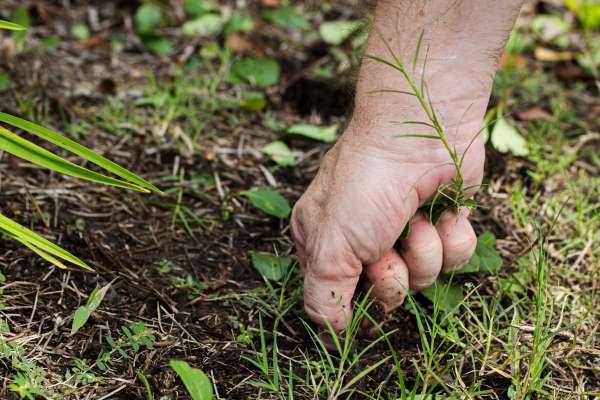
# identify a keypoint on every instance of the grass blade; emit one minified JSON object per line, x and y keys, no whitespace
{"x":38,"y":251}
{"x":22,"y":234}
{"x":74,"y":147}
{"x":413,"y":123}
{"x":391,"y":91}
{"x":11,"y":26}
{"x":417,"y":135}
{"x":384,"y":61}
{"x":26,"y":150}
{"x":416,"y":56}
{"x":364,"y":373}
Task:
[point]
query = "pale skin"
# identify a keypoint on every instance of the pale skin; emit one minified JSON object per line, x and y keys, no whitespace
{"x":372,"y":183}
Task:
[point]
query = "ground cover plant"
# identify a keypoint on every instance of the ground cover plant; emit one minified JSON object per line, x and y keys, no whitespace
{"x":196,"y":293}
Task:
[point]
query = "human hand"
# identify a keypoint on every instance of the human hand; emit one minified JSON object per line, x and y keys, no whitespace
{"x":353,"y":212}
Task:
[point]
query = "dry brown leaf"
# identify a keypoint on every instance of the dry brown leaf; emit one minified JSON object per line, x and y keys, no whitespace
{"x":534,"y":113}
{"x":513,"y":59}
{"x":239,"y":44}
{"x":545,"y":54}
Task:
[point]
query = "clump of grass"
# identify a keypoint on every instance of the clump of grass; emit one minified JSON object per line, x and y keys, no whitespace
{"x":451,"y":195}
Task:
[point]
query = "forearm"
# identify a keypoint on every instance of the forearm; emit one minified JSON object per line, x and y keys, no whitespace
{"x":461,"y":44}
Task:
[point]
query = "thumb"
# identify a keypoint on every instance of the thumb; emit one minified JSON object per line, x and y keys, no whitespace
{"x":328,"y":291}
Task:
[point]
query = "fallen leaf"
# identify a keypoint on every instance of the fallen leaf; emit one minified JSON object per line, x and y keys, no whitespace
{"x":94,"y":41}
{"x":549,"y":55}
{"x":285,"y":17}
{"x":271,"y":267}
{"x":325,"y":134}
{"x":237,"y":43}
{"x":336,"y":32}
{"x":270,"y":3}
{"x":260,"y":71}
{"x":534,"y":113}
{"x":206,"y":25}
{"x":280,"y":153}
{"x":506,"y":138}
{"x":269,"y":201}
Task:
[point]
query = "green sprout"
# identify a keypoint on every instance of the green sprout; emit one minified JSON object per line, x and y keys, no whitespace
{"x":451,"y":195}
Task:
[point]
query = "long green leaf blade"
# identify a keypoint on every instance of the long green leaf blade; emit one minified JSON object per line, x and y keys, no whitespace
{"x":24,"y":234}
{"x":418,"y":136}
{"x":416,"y":56}
{"x":40,"y":252}
{"x":76,"y":148}
{"x":11,"y":26}
{"x":413,"y":123}
{"x":391,"y":91}
{"x":26,"y":150}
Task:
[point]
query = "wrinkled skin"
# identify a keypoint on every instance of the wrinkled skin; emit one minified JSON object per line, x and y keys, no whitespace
{"x":371,"y":183}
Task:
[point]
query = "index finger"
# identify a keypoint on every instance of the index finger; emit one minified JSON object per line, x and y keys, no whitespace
{"x":328,"y":292}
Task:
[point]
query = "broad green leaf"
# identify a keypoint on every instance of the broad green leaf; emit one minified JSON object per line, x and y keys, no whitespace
{"x":77,"y":149}
{"x":486,"y":258}
{"x":446,"y":296}
{"x":516,"y":284}
{"x":325,"y":134}
{"x":46,"y":249}
{"x":11,"y":26}
{"x":280,"y":153}
{"x":147,"y":18}
{"x":271,"y":267}
{"x":196,"y":382}
{"x":489,"y":259}
{"x":285,"y":17}
{"x":80,"y":32}
{"x":159,"y":45}
{"x":26,"y":150}
{"x":239,"y":22}
{"x":82,"y":314}
{"x":208,"y":24}
{"x":263,"y":72}
{"x":196,"y":8}
{"x":336,"y":32}
{"x":253,"y":102}
{"x":270,"y":201}
{"x":506,"y":138}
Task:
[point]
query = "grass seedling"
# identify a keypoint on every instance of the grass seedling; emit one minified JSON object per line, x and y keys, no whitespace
{"x":451,"y":195}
